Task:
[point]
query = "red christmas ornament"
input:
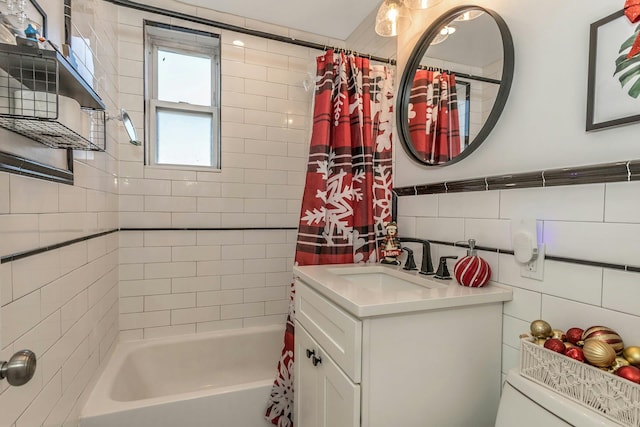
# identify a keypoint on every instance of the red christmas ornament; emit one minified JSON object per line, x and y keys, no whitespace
{"x":574,"y":335}
{"x":556,"y":345}
{"x":605,"y":334}
{"x":575,"y":353}
{"x":630,"y":373}
{"x":472,"y":270}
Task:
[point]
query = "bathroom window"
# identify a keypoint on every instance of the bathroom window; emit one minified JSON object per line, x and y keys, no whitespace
{"x":182,"y":97}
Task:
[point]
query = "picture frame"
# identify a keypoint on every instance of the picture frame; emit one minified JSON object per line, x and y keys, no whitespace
{"x":609,"y":99}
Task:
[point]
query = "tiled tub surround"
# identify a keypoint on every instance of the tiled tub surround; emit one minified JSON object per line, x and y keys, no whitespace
{"x":62,"y":303}
{"x":591,"y":222}
{"x":183,"y":282}
{"x":179,"y":282}
{"x":265,"y":128}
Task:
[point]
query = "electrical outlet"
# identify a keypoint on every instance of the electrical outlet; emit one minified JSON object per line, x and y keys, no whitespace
{"x":534,"y":269}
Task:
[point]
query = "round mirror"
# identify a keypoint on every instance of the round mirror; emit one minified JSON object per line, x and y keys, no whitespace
{"x":128,"y":126}
{"x":455,"y":85}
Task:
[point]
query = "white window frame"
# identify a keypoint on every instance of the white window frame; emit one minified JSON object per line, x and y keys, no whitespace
{"x":187,"y":42}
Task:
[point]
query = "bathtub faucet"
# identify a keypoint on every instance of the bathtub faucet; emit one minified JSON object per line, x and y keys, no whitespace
{"x":426,"y":266}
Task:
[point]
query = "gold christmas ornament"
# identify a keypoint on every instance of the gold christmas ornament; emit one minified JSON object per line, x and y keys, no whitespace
{"x":632,"y":354}
{"x":604,"y":334}
{"x":619,"y":363}
{"x":540,"y":341}
{"x":559,"y":334}
{"x":541,"y":329}
{"x":599,"y":353}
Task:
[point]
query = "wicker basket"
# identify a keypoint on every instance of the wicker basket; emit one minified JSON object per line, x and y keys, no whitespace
{"x":616,"y":398}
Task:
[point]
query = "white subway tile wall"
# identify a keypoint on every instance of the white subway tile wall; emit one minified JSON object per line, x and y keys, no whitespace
{"x":592,"y":222}
{"x":176,"y":282}
{"x":63,"y":304}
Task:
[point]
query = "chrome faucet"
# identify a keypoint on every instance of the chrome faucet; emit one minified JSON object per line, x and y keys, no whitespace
{"x":426,"y":266}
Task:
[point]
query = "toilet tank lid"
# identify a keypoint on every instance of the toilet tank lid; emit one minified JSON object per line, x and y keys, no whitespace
{"x":572,"y":412}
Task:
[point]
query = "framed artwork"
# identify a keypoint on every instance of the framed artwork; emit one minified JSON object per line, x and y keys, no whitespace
{"x":613,"y":91}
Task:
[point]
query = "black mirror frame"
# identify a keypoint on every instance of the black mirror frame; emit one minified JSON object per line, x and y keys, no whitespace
{"x":413,"y":63}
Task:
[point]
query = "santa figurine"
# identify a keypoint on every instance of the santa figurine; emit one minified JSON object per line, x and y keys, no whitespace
{"x":391,"y":245}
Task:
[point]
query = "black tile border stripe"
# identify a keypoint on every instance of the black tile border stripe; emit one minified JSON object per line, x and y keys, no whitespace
{"x":25,"y":254}
{"x":590,"y":174}
{"x":547,"y":257}
{"x":589,"y":263}
{"x":21,"y":255}
{"x":32,"y":252}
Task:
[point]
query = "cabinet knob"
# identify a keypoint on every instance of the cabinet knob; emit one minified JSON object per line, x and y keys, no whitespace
{"x":316,"y":360}
{"x":310,"y":353}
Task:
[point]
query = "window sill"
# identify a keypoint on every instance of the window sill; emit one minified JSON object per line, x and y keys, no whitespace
{"x":184,"y":168}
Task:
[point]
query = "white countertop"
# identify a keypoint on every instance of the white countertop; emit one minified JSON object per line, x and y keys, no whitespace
{"x":354,"y":288}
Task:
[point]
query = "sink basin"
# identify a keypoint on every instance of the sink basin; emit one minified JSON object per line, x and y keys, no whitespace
{"x":366,"y":290}
{"x":377,"y":277}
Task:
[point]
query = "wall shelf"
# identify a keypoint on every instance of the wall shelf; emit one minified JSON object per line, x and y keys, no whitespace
{"x":36,"y":86}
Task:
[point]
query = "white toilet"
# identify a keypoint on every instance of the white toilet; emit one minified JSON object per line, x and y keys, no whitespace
{"x":525,"y":403}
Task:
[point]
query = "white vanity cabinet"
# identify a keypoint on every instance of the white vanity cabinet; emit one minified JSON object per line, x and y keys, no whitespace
{"x":435,"y":367}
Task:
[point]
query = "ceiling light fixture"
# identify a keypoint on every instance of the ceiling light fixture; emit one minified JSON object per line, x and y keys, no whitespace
{"x":445,"y":32}
{"x":391,"y":15}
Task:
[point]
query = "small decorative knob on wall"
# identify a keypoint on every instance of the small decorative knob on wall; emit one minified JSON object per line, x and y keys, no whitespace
{"x":472,"y":270}
{"x":19,"y":369}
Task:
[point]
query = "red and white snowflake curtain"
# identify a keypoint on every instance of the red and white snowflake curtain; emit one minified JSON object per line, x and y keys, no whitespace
{"x":433,"y":116}
{"x":347,"y":196}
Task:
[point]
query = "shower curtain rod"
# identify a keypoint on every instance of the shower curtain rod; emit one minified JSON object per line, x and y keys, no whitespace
{"x":462,"y":75}
{"x":235,"y":28}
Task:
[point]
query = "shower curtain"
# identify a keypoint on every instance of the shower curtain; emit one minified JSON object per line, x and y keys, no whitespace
{"x":347,"y":196}
{"x":433,"y":116}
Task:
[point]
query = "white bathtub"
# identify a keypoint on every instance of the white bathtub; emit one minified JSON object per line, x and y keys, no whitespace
{"x":216,"y":379}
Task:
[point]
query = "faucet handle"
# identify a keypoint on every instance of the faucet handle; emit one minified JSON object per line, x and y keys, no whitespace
{"x":410,"y":263}
{"x":443,"y":270}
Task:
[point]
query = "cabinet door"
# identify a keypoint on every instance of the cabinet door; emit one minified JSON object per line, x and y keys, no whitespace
{"x":306,"y":379}
{"x":324,"y":395}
